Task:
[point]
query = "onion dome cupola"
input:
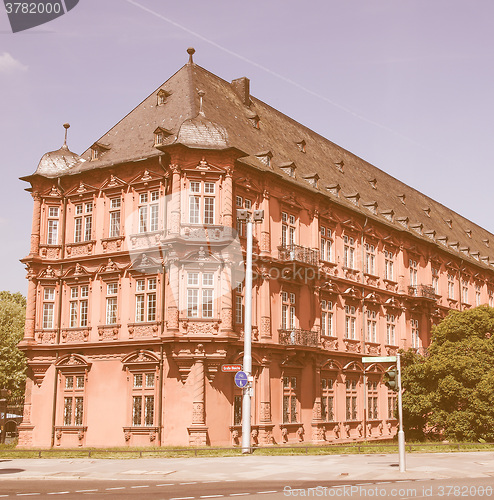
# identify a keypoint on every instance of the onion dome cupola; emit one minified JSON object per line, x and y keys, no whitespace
{"x":59,"y":162}
{"x":199,"y":132}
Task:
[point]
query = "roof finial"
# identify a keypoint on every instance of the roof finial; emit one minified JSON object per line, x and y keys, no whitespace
{"x":191,"y":51}
{"x":66,"y":126}
{"x":201,"y":95}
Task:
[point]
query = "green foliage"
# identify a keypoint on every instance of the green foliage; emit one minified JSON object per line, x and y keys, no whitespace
{"x":449,"y":392}
{"x":12,"y":360}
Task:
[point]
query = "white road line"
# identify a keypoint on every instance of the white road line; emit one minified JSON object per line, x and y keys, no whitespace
{"x":58,"y":493}
{"x":141,"y":486}
{"x":262,"y":492}
{"x":25,"y":494}
{"x":229,"y":480}
{"x":210,"y":481}
{"x":167,"y":484}
{"x":191,"y":482}
{"x":238,"y":494}
{"x":211,"y":496}
{"x":182,"y":498}
{"x":84,"y":491}
{"x":116,"y":488}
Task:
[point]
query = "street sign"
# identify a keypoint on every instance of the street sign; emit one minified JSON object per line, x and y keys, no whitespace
{"x":231,"y":368}
{"x":241,"y":379}
{"x":379,"y":359}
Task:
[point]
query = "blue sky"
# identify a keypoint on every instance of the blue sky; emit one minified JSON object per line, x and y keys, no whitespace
{"x":406,"y":85}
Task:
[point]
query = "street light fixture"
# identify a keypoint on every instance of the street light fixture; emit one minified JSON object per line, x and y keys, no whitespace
{"x":248,"y":217}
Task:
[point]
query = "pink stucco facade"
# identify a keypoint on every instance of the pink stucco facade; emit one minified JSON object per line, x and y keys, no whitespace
{"x":136,"y":286}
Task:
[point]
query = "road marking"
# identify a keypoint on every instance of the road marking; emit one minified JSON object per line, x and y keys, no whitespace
{"x":211,"y":481}
{"x":191,"y":482}
{"x":211,"y":496}
{"x":84,"y":491}
{"x":167,"y":484}
{"x":182,"y":498}
{"x":262,"y":492}
{"x":229,"y":480}
{"x":25,"y":494}
{"x":58,"y":493}
{"x":141,"y":486}
{"x":238,"y":494}
{"x":116,"y":488}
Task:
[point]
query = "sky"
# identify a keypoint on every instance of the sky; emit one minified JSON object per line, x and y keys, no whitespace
{"x":406,"y":85}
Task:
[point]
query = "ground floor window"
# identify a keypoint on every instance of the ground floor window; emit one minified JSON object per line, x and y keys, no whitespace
{"x":290,"y":400}
{"x":143,"y":399}
{"x":327,"y":399}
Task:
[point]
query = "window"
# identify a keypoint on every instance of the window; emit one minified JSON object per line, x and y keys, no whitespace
{"x":239,"y":304}
{"x":73,"y":399}
{"x":435,"y":280}
{"x":390,"y":329}
{"x":464,"y":292}
{"x":145,"y":300}
{"x":327,"y":399}
{"x":201,"y":202}
{"x":327,"y":318}
{"x":351,"y":400}
{"x":478,"y":296}
{"x":48,"y":308}
{"x":111,"y":303}
{"x":287,"y":311}
{"x":148,"y":211}
{"x":349,"y":252}
{"x":370,"y":259}
{"x":372,"y":400}
{"x":451,"y":286}
{"x":52,"y":233}
{"x":287,"y":229}
{"x":415,"y":333}
{"x":371,"y":326}
{"x":290,"y":400}
{"x":350,"y":323}
{"x":200,"y":294}
{"x":388,"y":265}
{"x":115,"y":204}
{"x":79,"y":306}
{"x":326,"y":244}
{"x":413,"y":272}
{"x":83,"y":222}
{"x":143,"y":389}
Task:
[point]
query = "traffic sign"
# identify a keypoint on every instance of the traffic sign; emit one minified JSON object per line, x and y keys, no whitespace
{"x":241,"y":379}
{"x":379,"y":359}
{"x":231,"y":368}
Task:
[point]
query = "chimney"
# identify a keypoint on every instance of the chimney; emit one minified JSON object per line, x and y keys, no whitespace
{"x":242,"y":88}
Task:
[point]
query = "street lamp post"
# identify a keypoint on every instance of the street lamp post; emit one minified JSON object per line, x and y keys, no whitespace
{"x":248,"y":218}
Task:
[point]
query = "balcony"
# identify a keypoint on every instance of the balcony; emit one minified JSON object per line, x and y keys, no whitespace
{"x":297,"y":253}
{"x":299,"y":337}
{"x":422,"y":291}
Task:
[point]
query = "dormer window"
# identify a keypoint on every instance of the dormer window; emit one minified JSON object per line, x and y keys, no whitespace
{"x":160,"y":134}
{"x":334,"y":189}
{"x":97,"y":149}
{"x":312,"y":179}
{"x":265,"y":157}
{"x":301,"y":146}
{"x":254,"y":120}
{"x":339,"y":165}
{"x":162,"y":96}
{"x":288,"y":168}
{"x":94,"y":153}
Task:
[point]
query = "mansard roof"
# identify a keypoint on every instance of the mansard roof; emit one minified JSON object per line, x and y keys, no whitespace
{"x":202,"y":110}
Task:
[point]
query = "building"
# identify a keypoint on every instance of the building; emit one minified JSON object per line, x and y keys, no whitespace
{"x":135,"y":296}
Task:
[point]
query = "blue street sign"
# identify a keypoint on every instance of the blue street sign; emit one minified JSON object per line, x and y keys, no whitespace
{"x":241,"y":379}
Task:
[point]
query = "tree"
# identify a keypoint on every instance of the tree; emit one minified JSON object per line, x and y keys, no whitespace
{"x":12,"y":360}
{"x":449,"y":392}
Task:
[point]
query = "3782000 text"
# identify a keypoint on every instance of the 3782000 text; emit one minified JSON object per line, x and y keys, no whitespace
{"x":33,"y":8}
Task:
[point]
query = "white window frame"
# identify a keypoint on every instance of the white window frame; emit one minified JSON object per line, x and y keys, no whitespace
{"x":200,"y":294}
{"x":202,"y":202}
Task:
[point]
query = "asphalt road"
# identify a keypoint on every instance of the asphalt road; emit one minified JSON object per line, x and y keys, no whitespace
{"x":472,"y":488}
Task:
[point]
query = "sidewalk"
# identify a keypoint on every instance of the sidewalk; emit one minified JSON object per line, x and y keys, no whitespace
{"x":288,"y":468}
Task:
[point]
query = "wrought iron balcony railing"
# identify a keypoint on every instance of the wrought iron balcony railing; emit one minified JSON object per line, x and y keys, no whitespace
{"x":425,"y":291}
{"x":296,"y":336}
{"x":299,"y":253}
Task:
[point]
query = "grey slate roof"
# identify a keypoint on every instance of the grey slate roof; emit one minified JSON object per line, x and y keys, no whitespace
{"x":360,"y":186}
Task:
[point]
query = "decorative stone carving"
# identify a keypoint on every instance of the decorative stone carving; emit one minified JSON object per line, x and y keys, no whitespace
{"x":346,"y":428}
{"x":127,"y":436}
{"x":360,"y":430}
{"x":352,"y":345}
{"x":284,"y":434}
{"x":369,"y":429}
{"x":331,"y":344}
{"x":199,"y":327}
{"x":266,"y":327}
{"x":265,"y":411}
{"x":317,"y":410}
{"x":108,"y":332}
{"x":112,"y":244}
{"x":380,"y":428}
{"x":46,"y":337}
{"x":391,"y":350}
{"x":374,"y":349}
{"x":75,"y":335}
{"x":336,"y":431}
{"x":300,"y":433}
{"x":142,"y":331}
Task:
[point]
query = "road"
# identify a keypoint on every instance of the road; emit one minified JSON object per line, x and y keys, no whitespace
{"x":472,"y":488}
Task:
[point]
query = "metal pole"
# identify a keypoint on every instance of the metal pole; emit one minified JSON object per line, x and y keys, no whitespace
{"x":401,"y":433}
{"x":247,"y":363}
